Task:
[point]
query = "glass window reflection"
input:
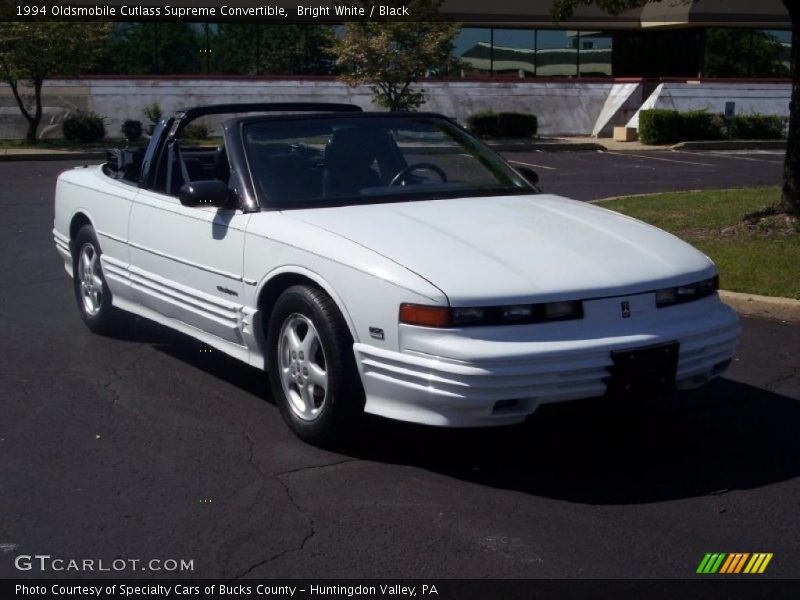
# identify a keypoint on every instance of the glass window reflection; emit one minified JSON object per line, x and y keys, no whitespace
{"x":514,"y":52}
{"x":557,"y":53}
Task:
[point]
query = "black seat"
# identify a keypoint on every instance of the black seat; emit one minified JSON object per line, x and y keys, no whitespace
{"x":349,"y":156}
{"x":222,"y":168}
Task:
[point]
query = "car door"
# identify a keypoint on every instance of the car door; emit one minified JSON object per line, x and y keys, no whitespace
{"x":187,"y":262}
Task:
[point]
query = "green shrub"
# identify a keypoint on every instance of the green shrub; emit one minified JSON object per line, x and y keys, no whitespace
{"x":483,"y":124}
{"x":700,"y":125}
{"x":132,"y":130}
{"x":153,"y":113}
{"x":84,"y":128}
{"x":517,"y":125}
{"x":756,"y":127}
{"x":660,"y":126}
{"x":197,"y":131}
{"x":505,"y":124}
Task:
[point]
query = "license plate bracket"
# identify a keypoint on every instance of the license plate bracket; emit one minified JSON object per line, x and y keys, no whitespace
{"x":649,"y":369}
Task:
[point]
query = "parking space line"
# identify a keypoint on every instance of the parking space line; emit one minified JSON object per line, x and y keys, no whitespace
{"x":519,"y":162}
{"x":672,"y":160}
{"x":772,"y":162}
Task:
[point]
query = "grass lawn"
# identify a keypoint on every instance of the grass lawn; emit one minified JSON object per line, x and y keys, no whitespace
{"x":761,"y":259}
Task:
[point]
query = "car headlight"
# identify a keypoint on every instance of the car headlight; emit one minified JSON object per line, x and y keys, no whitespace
{"x":687,"y":293}
{"x":443,"y":316}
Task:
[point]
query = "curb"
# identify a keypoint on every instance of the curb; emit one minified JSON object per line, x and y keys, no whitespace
{"x":545,"y":146}
{"x":49,"y":156}
{"x":732,"y":145}
{"x":496,"y":146}
{"x":766,"y":307}
{"x":645,"y":195}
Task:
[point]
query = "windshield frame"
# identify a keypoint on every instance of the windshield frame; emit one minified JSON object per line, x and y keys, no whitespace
{"x":481,"y":152}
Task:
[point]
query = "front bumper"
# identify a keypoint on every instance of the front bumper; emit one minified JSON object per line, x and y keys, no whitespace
{"x":456,"y":378}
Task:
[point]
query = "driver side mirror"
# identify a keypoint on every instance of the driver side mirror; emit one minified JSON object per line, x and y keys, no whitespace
{"x":529,"y":174}
{"x":206,"y":192}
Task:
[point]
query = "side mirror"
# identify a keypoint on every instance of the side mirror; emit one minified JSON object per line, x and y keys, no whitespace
{"x":529,"y":174}
{"x":206,"y":192}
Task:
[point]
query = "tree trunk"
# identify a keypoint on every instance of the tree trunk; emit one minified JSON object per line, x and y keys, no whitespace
{"x":32,"y":119}
{"x":790,"y":199}
{"x":33,"y":124}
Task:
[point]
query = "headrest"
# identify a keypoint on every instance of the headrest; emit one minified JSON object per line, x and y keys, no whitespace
{"x":222,"y":169}
{"x":352,"y":147}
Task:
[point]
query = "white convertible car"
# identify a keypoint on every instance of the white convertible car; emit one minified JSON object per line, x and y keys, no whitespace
{"x":387,"y":263}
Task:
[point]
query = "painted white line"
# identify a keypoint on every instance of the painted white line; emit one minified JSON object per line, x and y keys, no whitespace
{"x":672,"y":160}
{"x":519,"y":162}
{"x":746,"y":152}
{"x":772,"y":162}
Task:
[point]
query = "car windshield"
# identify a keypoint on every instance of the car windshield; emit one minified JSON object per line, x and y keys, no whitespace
{"x":324,"y":161}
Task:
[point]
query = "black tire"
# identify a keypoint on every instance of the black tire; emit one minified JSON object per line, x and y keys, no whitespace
{"x":342,"y":403}
{"x":106,"y":317}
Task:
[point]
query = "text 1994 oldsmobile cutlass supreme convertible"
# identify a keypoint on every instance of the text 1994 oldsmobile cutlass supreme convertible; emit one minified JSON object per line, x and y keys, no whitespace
{"x":387,"y":263}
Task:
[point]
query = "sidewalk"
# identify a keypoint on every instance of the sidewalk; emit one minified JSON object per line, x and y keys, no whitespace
{"x":509,"y":145}
{"x":556,"y":144}
{"x":545,"y":145}
{"x":20,"y":154}
{"x":612,"y":145}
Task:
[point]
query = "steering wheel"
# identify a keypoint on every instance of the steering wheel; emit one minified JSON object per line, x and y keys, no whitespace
{"x":400,"y":178}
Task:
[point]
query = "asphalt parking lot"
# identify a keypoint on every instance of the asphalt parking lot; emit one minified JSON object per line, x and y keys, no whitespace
{"x":595,"y":175}
{"x":146,"y":445}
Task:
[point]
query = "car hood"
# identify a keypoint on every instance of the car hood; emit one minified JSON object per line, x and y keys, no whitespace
{"x":517,"y":248}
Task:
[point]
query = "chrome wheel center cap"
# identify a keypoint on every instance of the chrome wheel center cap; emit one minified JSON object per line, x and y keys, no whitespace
{"x":303,"y":367}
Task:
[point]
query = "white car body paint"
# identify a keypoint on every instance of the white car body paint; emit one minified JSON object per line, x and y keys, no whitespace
{"x":201,"y":270}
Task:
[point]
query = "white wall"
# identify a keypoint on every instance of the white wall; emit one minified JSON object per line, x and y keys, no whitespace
{"x":563,"y":108}
{"x":567,"y":107}
{"x":622,"y":102}
{"x":750,"y":98}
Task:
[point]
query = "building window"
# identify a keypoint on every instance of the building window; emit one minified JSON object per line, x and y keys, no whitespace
{"x":594,"y":57}
{"x":747,"y":53}
{"x":514,"y":52}
{"x":473,"y":46}
{"x":557,"y":53}
{"x":779,"y":62}
{"x":534,"y":52}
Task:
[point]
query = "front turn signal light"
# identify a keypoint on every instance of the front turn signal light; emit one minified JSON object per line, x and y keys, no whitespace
{"x":687,"y":293}
{"x":425,"y":316}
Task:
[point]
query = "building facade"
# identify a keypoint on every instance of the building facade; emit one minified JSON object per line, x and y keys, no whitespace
{"x":582,"y":77}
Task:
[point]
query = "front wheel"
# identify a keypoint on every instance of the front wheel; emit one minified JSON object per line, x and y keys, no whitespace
{"x":313,"y":374}
{"x":91,"y":290}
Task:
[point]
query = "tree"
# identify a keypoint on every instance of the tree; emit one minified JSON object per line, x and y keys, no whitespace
{"x":790,"y":197}
{"x":34,"y":52}
{"x":392,"y":55}
{"x":743,"y":53}
{"x":273,"y":49}
{"x":156,"y":47}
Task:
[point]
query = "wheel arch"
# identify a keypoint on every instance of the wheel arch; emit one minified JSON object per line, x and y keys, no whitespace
{"x":79,"y":219}
{"x":276,"y":282}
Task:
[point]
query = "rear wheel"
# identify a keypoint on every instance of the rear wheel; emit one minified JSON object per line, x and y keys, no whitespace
{"x":91,"y":291}
{"x":312,"y":368}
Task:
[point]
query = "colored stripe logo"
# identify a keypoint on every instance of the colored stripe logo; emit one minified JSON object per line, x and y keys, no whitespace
{"x":734,"y":563}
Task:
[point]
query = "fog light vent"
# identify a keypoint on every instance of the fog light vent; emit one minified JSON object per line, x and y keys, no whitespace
{"x":720,"y":367}
{"x":505,"y":405}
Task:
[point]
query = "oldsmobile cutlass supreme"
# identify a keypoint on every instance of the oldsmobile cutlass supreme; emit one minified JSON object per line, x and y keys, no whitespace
{"x":387,"y":263}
